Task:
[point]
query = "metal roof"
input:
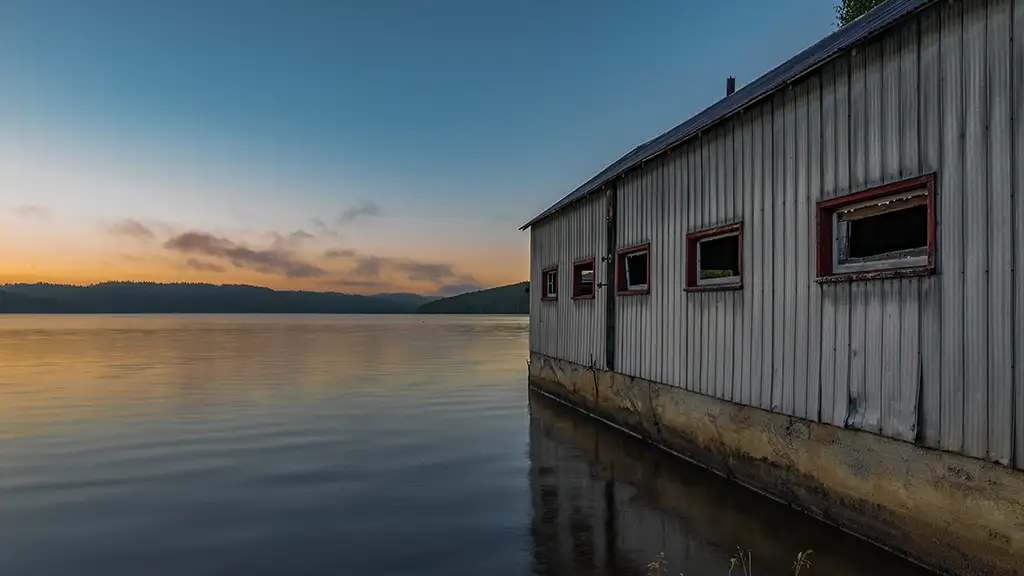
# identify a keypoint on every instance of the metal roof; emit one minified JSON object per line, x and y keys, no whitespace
{"x":871,"y":23}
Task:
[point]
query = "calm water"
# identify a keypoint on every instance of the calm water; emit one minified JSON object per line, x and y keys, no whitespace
{"x":343,"y":445}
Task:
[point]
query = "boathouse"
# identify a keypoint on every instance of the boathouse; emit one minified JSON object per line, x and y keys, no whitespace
{"x":816,"y":285}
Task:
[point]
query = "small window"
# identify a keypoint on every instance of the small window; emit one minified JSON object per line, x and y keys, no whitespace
{"x":633,"y":270}
{"x":583,"y":279}
{"x":549,"y":277}
{"x":715,"y":258}
{"x":886,"y":229}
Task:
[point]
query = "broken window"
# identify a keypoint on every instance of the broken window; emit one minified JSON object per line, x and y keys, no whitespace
{"x":634,"y":273}
{"x":583,"y":279}
{"x":715,"y":257}
{"x":888,"y":228}
{"x":550,"y":278}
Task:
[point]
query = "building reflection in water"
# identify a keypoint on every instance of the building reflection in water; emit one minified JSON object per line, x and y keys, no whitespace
{"x":605,"y":502}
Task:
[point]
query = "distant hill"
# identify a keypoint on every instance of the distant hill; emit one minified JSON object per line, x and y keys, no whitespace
{"x":20,"y":303}
{"x":148,"y":297}
{"x":511,"y":299}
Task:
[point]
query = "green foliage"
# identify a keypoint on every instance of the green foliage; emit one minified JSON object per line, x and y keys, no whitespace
{"x":850,"y":10}
{"x":705,"y":274}
{"x":511,"y":299}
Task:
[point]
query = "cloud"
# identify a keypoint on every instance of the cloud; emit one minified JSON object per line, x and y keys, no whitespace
{"x":131,"y":229}
{"x":291,"y":240}
{"x":322,"y":228}
{"x":272,"y":261}
{"x":201,"y":266}
{"x":339,"y":253}
{"x":32,"y":212}
{"x":376,"y":267}
{"x":368,"y":208}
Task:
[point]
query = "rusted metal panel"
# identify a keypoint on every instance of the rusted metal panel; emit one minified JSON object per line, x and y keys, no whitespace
{"x":950,"y":197}
{"x":930,"y":140}
{"x":1000,"y":235}
{"x":976,"y":210}
{"x":1017,"y":177}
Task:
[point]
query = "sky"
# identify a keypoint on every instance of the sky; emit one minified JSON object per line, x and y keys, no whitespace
{"x":363,"y":147}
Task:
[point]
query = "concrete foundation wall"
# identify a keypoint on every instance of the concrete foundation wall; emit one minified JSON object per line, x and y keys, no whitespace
{"x":952,"y":513}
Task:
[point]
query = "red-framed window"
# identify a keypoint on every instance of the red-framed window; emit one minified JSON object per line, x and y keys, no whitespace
{"x":549,"y":283}
{"x":633,"y":270}
{"x":878,"y":233}
{"x":583,"y":279}
{"x":714,"y":258}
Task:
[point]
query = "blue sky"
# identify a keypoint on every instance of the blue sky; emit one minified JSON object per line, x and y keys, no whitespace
{"x":454,"y":121}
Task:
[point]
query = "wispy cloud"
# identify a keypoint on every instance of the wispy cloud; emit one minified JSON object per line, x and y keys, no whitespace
{"x":32,"y":212}
{"x":368,"y":208}
{"x":339,"y":253}
{"x":291,"y":240}
{"x":267,"y":261}
{"x":333,"y":227}
{"x":130,"y":228}
{"x":201,"y":266}
{"x":371,"y":266}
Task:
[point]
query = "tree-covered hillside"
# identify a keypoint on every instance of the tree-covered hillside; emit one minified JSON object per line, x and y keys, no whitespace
{"x":511,"y":299}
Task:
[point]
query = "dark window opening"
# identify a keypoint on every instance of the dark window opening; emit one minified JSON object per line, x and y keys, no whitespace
{"x":633,"y":271}
{"x":636,"y":271}
{"x":550,"y":291}
{"x":900,"y":232}
{"x":719,"y":257}
{"x":583,"y":279}
{"x":888,"y":229}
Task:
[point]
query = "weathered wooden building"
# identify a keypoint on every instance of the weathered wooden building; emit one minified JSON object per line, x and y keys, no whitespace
{"x":840,"y":244}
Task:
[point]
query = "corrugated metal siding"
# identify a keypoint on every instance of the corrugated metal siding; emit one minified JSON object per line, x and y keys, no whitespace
{"x":1017,"y":180}
{"x":570,"y":329}
{"x":929,"y":360}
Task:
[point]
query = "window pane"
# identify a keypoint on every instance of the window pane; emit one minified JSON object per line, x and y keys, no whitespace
{"x":636,"y":270}
{"x":720,"y":257}
{"x":886,"y":233}
{"x":584,"y":280}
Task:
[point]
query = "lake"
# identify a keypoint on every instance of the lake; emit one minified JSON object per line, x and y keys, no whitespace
{"x":345,"y":445}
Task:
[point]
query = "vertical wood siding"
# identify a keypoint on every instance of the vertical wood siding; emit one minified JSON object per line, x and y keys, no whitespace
{"x":933,"y":360}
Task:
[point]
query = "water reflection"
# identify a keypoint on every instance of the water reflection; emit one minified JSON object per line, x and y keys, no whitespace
{"x":605,"y":502}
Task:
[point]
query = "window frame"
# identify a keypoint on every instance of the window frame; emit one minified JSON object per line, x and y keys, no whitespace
{"x":576,"y":283}
{"x":826,"y":211}
{"x":621,"y":288}
{"x":544,"y":295}
{"x":693,"y":240}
